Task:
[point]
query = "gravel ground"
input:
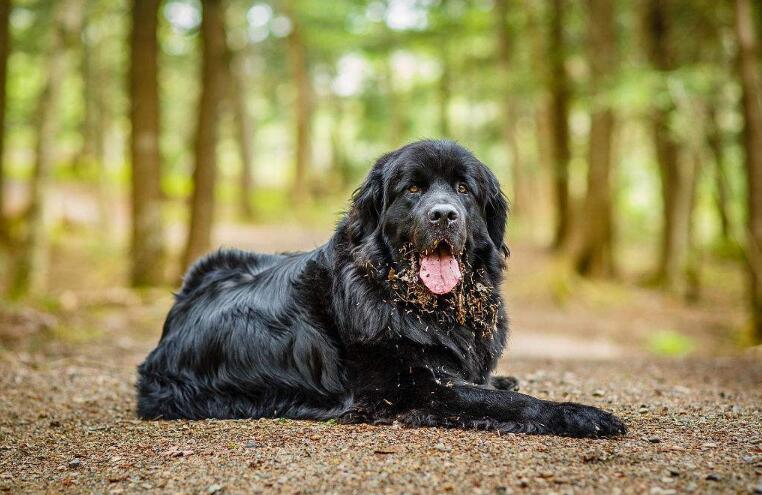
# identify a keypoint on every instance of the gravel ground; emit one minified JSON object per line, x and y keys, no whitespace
{"x":67,"y":424}
{"x":67,"y":421}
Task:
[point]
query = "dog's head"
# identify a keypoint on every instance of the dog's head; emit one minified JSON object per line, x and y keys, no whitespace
{"x":436,"y":199}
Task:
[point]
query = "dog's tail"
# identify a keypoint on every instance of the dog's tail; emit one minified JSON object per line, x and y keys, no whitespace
{"x":217,"y":265}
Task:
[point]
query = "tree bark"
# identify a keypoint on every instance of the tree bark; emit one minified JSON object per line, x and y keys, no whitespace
{"x":297,"y":53}
{"x":749,"y":70}
{"x":676,"y":172}
{"x":339,"y":162}
{"x":90,"y":156}
{"x":397,"y":119}
{"x":244,"y":131}
{"x":444,"y":90}
{"x":559,"y":123}
{"x":520,"y":203}
{"x":147,"y":240}
{"x":32,"y":264}
{"x":691,"y":270}
{"x":205,"y":167}
{"x":5,"y":49}
{"x":540,"y":184}
{"x":722,"y":192}
{"x":85,"y":156}
{"x":593,"y":256}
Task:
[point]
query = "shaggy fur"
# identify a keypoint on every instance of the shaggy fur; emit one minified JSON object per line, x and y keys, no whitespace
{"x":348,"y":331}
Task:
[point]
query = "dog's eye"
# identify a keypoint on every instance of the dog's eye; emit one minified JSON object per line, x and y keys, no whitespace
{"x":414,"y":189}
{"x":462,"y":188}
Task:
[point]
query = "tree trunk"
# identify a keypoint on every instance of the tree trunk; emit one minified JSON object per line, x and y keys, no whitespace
{"x":5,"y":13}
{"x":541,"y":183}
{"x":339,"y":162}
{"x":722,"y":193}
{"x":559,"y":123}
{"x":205,"y":170}
{"x":520,"y":203}
{"x":147,"y":242}
{"x":593,"y":256}
{"x":32,"y":264}
{"x":675,"y":171}
{"x":691,"y":270}
{"x":397,"y":120}
{"x":749,"y":70}
{"x":84,"y":157}
{"x":90,"y":157}
{"x":444,"y":91}
{"x":297,"y":53}
{"x":244,"y":131}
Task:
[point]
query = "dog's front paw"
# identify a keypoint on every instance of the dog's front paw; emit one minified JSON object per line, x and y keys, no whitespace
{"x":577,"y":420}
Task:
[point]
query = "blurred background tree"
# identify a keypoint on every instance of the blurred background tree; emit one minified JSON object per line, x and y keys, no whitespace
{"x":627,"y":133}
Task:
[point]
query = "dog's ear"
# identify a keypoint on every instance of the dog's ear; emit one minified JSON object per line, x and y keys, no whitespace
{"x":368,"y":202}
{"x":496,"y":212}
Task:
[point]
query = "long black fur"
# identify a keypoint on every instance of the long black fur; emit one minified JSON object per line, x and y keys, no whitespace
{"x":320,"y":335}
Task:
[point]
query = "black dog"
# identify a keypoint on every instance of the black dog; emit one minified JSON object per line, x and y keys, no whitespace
{"x":397,"y":318}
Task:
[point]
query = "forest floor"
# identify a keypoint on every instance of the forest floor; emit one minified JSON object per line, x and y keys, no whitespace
{"x":691,"y":397}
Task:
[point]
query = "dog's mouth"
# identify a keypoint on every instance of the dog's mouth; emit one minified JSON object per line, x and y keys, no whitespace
{"x":439,"y":269}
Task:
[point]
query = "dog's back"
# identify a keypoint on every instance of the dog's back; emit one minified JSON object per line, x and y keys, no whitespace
{"x":228,"y":341}
{"x":222,"y":264}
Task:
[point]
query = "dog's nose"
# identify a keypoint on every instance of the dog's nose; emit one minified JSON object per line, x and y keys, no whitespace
{"x":443,"y":215}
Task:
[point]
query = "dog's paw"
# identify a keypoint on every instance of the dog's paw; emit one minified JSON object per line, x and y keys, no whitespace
{"x":505,"y":383}
{"x":577,"y":420}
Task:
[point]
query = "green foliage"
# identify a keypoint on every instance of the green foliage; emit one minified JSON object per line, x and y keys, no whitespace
{"x":670,"y":343}
{"x":380,"y":73}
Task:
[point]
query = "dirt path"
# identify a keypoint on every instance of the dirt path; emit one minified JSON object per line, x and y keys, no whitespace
{"x":67,"y":421}
{"x":695,"y":425}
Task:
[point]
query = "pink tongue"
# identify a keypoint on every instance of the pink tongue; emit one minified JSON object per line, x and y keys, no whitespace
{"x":440,"y":273}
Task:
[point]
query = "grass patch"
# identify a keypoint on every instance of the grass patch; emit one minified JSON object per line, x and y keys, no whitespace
{"x":670,"y":343}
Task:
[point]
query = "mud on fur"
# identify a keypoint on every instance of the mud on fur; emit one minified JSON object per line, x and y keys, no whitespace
{"x":472,"y":301}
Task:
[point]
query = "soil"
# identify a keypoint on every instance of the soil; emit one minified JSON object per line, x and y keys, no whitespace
{"x":68,"y":425}
{"x":67,"y":420}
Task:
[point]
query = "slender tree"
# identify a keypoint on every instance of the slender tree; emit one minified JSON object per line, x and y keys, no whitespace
{"x":339,"y":162}
{"x":297,"y":53}
{"x":593,"y":255}
{"x":676,"y":171}
{"x":444,"y":29}
{"x":712,"y":143}
{"x":91,"y":146}
{"x":205,"y":159}
{"x":559,"y":122}
{"x":147,"y":243}
{"x":538,"y":39}
{"x":520,"y":201}
{"x":5,"y":11}
{"x":445,"y":91}
{"x":749,"y":75}
{"x":32,"y":263}
{"x":91,"y":155}
{"x":395,"y":104}
{"x":243,"y":128}
{"x":722,"y":186}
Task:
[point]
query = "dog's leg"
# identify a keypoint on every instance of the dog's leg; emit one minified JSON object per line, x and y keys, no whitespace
{"x":471,"y":406}
{"x":504,"y":383}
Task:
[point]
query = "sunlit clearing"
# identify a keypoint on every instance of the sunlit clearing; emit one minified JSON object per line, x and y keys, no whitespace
{"x":259,"y":15}
{"x":184,"y":16}
{"x":352,"y":71}
{"x":281,"y":26}
{"x":403,"y":15}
